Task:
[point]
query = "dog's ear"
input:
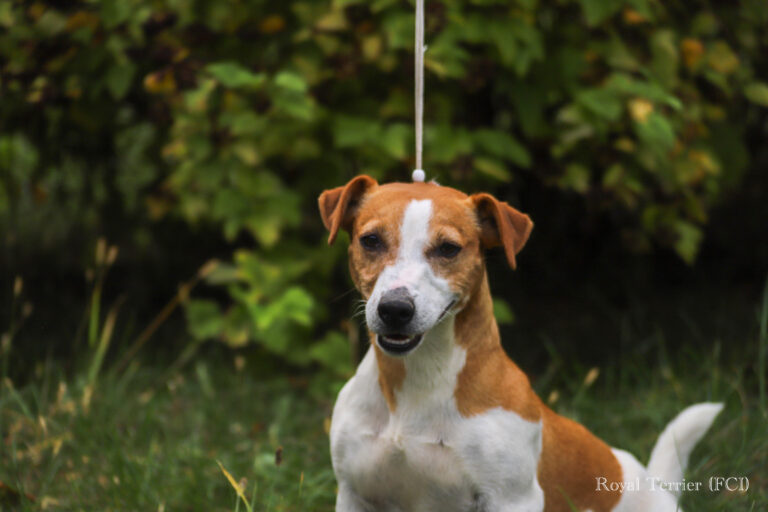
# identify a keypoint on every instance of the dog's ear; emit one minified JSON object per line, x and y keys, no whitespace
{"x":500,"y":224}
{"x":339,"y":205}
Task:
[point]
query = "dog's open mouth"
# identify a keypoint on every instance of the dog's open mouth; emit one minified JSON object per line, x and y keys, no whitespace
{"x":398,"y":343}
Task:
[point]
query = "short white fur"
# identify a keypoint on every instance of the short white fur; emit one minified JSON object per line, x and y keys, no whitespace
{"x":431,"y":293}
{"x":424,"y":456}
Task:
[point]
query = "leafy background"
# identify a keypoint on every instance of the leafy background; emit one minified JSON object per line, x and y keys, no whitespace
{"x":167,"y":299}
{"x":183,"y":131}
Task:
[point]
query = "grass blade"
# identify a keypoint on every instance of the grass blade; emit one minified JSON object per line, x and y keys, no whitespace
{"x":95,"y":313}
{"x":104,"y":340}
{"x":235,"y":486}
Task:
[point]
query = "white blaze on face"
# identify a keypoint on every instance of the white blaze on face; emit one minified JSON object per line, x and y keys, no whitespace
{"x":431,"y":294}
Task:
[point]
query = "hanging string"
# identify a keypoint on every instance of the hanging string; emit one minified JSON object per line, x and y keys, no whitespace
{"x":418,"y":173}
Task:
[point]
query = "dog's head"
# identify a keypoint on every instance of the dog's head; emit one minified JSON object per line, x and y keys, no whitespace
{"x":416,"y":250}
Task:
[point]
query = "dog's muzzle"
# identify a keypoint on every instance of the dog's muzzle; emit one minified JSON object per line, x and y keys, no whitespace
{"x":396,"y":310}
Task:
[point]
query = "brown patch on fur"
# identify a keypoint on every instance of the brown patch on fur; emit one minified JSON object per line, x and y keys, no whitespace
{"x":489,"y":378}
{"x":391,"y":375}
{"x":503,"y":225}
{"x":572,"y":457}
{"x":571,"y":460}
{"x":338,"y":206}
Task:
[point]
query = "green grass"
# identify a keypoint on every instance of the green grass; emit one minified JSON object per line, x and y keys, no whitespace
{"x":149,"y":440}
{"x":144,"y":443}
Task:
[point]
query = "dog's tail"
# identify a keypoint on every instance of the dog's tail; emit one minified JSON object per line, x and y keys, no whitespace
{"x":669,"y":457}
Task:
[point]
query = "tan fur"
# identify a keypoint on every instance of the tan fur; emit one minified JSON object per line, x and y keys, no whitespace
{"x":571,"y":459}
{"x":571,"y":456}
{"x":489,"y":378}
{"x":502,"y":225}
{"x":391,"y":376}
{"x":339,"y":206}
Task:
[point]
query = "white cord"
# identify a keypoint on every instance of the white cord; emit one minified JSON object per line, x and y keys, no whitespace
{"x":418,"y":173}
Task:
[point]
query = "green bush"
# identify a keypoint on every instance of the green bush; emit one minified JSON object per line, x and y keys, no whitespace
{"x":235,"y":115}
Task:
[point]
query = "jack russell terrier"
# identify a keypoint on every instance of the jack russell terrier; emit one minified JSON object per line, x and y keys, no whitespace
{"x":437,"y":417}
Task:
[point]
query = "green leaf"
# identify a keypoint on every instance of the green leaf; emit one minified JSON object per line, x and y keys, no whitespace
{"x":502,"y":145}
{"x":355,"y":131}
{"x":619,"y":55}
{"x":295,"y":305}
{"x":333,"y":352}
{"x":665,"y":57}
{"x":7,"y":18}
{"x":18,"y":156}
{"x":722,"y":59}
{"x":596,"y":11}
{"x":119,"y":79}
{"x":51,"y":23}
{"x":244,"y":122}
{"x":625,"y":84}
{"x":395,"y":140}
{"x":656,"y":131}
{"x":492,"y":168}
{"x":601,"y":102}
{"x":505,"y":39}
{"x":688,"y":240}
{"x":576,"y":177}
{"x":204,"y":319}
{"x":291,"y":81}
{"x":397,"y":26}
{"x":757,"y":92}
{"x":265,"y":229}
{"x":115,"y":12}
{"x":503,"y":312}
{"x":446,"y":142}
{"x":297,"y":106}
{"x":233,"y":75}
{"x":196,"y":100}
{"x":643,"y":7}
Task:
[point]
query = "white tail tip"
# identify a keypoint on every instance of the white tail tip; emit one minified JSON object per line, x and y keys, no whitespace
{"x":419,"y":176}
{"x":669,"y":457}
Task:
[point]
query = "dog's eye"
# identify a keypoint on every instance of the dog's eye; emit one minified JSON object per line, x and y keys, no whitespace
{"x":371,"y":242}
{"x":447,"y":250}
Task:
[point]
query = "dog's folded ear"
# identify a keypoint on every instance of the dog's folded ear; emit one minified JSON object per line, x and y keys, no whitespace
{"x":339,"y":205}
{"x":500,"y":224}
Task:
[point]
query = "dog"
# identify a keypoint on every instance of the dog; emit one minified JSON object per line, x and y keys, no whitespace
{"x":437,"y":417}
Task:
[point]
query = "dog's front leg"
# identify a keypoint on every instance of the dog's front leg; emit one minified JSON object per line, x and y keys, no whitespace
{"x":348,"y":501}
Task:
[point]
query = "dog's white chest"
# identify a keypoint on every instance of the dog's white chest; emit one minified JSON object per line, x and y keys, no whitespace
{"x":403,"y":461}
{"x":425,"y":456}
{"x":405,"y":470}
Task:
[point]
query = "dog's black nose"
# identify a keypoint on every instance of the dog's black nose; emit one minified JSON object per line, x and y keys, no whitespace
{"x":396,"y":308}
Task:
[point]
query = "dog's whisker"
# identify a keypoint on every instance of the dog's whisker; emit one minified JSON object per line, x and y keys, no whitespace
{"x":342,"y":295}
